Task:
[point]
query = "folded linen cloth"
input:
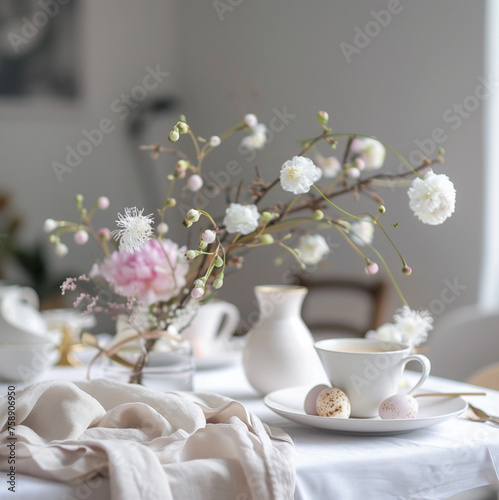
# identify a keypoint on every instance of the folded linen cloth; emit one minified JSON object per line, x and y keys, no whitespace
{"x":152,"y":445}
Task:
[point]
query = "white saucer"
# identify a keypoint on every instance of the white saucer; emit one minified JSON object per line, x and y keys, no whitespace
{"x":432,"y":410}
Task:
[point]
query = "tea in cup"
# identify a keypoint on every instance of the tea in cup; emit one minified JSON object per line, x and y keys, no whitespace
{"x":368,"y":370}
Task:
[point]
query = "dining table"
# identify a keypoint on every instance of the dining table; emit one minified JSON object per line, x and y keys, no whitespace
{"x":441,"y":455}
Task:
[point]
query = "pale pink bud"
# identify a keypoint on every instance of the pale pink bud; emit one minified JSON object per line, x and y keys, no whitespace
{"x":372,"y":268}
{"x":215,"y":141}
{"x":103,"y":202}
{"x":162,"y":228}
{"x":319,"y":173}
{"x":104,"y":232}
{"x":353,"y":173}
{"x":195,"y":182}
{"x":360,"y":163}
{"x":81,"y":237}
{"x":209,"y":236}
{"x":49,"y":225}
{"x":181,"y":174}
{"x":407,"y":270}
{"x":197,"y":293}
{"x":250,"y":120}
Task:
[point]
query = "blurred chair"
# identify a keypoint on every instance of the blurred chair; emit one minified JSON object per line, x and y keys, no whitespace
{"x":343,"y":307}
{"x":488,"y":376}
{"x":463,"y":342}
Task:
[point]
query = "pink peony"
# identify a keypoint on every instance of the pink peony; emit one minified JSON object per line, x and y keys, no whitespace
{"x":147,"y":273}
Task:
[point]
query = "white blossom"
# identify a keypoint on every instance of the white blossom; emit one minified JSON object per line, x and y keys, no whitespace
{"x":362,"y":232}
{"x":413,"y":326}
{"x":371,"y":151}
{"x":241,"y":218}
{"x":432,"y":199}
{"x":257,"y":139}
{"x":387,"y":332}
{"x":313,"y":248}
{"x":135,"y":229}
{"x":298,"y":175}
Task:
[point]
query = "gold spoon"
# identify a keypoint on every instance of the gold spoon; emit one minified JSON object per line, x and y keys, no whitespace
{"x":450,"y":394}
{"x":478,"y":415}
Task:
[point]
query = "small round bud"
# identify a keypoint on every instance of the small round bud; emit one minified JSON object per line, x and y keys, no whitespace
{"x":191,"y":254}
{"x":318,"y":215}
{"x":81,"y":237}
{"x":193,"y":215}
{"x":103,"y":202}
{"x":162,"y":228}
{"x":297,"y":252}
{"x":49,"y":225}
{"x":174,"y":135}
{"x":182,"y":165}
{"x":323,"y":117}
{"x":360,"y":164}
{"x":267,"y":239}
{"x":267,"y":216}
{"x":199,"y":283}
{"x":218,"y":282}
{"x":209,"y":236}
{"x":186,"y":223}
{"x":195,"y":182}
{"x":183,"y":128}
{"x":170,"y":202}
{"x":79,"y":199}
{"x":371,"y":268}
{"x":218,"y":261}
{"x":215,"y":141}
{"x":345,"y":224}
{"x":250,"y":120}
{"x":54,"y":239}
{"x":197,"y":293}
{"x":61,"y":249}
{"x":407,"y":270}
{"x":441,"y":151}
{"x":104,"y":233}
{"x":381,"y":209}
{"x":203,"y":245}
{"x":278,"y":261}
{"x":353,"y":173}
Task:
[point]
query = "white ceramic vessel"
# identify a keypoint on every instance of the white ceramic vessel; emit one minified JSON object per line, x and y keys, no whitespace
{"x":279,"y":351}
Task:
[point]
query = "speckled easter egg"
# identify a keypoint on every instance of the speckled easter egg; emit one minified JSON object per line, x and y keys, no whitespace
{"x":333,"y":402}
{"x":398,"y":406}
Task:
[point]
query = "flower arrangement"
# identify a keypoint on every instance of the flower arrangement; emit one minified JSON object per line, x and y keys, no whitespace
{"x":158,"y":284}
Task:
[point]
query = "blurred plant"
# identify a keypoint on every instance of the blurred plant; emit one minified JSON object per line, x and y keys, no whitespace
{"x":147,"y":271}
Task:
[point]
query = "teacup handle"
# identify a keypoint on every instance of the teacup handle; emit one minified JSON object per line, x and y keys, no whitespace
{"x":232,"y":320}
{"x":426,"y":366}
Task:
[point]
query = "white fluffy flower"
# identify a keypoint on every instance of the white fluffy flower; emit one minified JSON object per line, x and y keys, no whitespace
{"x":387,"y":332}
{"x":370,"y":150}
{"x":413,"y":326}
{"x":257,"y":138}
{"x":298,"y":175}
{"x":313,"y":248}
{"x":362,"y":232}
{"x":433,"y":198}
{"x":135,"y":229}
{"x":241,"y":218}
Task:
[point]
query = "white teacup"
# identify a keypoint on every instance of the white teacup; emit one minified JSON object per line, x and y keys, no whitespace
{"x":368,"y":370}
{"x":213,"y":325}
{"x":23,"y":293}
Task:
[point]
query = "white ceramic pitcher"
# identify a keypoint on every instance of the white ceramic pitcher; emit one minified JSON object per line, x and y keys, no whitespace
{"x":213,"y":325}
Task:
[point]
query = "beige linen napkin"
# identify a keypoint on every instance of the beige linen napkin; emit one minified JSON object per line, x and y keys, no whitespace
{"x":152,"y":445}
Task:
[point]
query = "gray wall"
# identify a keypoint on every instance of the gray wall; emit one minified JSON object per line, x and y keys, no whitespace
{"x":257,"y":56}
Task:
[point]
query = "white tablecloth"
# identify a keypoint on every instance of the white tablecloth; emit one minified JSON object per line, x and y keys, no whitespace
{"x":432,"y":463}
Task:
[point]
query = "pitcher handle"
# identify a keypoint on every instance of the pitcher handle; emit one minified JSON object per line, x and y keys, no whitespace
{"x":232,"y":317}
